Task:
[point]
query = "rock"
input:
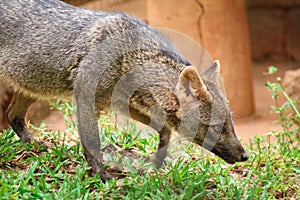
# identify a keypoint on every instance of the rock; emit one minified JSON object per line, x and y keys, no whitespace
{"x":291,"y":82}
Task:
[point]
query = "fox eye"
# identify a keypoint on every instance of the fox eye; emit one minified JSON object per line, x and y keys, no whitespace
{"x":218,"y":128}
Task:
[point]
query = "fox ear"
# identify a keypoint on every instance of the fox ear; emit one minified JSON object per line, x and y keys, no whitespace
{"x":212,"y":75}
{"x":212,"y":72}
{"x":191,"y":83}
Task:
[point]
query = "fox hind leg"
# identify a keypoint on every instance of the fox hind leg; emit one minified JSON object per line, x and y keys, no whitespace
{"x":16,"y":115}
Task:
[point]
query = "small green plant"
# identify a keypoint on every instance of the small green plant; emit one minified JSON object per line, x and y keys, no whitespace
{"x":289,"y":115}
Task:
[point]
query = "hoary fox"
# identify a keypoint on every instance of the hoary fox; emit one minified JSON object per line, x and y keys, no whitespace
{"x":110,"y":61}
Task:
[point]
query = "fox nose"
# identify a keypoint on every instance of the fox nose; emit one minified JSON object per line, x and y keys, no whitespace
{"x":244,"y":157}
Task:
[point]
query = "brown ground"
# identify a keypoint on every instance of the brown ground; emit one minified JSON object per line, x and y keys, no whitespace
{"x":260,"y":123}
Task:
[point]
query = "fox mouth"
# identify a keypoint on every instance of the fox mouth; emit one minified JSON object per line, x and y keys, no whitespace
{"x":230,"y":162}
{"x":230,"y":159}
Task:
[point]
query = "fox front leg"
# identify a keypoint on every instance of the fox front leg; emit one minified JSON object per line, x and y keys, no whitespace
{"x":89,"y":135}
{"x":84,"y":91}
{"x":164,"y":134}
{"x":162,"y":151}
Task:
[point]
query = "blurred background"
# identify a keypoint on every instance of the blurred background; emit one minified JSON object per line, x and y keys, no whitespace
{"x":247,"y":36}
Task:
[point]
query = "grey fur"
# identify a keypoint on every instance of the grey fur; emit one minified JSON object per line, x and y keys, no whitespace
{"x":109,"y":61}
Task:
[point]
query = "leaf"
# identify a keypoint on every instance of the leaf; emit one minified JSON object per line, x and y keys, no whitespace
{"x":272,"y":70}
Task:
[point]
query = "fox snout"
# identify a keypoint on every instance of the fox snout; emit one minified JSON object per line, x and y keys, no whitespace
{"x":226,"y":145}
{"x":244,"y":157}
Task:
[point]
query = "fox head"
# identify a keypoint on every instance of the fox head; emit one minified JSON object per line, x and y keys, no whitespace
{"x":204,"y":115}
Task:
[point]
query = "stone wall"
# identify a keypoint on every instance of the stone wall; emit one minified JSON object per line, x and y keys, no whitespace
{"x":274,"y":29}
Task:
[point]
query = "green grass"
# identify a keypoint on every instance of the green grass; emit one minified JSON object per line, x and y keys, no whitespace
{"x":29,"y":172}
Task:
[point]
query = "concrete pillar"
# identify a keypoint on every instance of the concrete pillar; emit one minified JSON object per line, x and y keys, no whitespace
{"x":221,"y":27}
